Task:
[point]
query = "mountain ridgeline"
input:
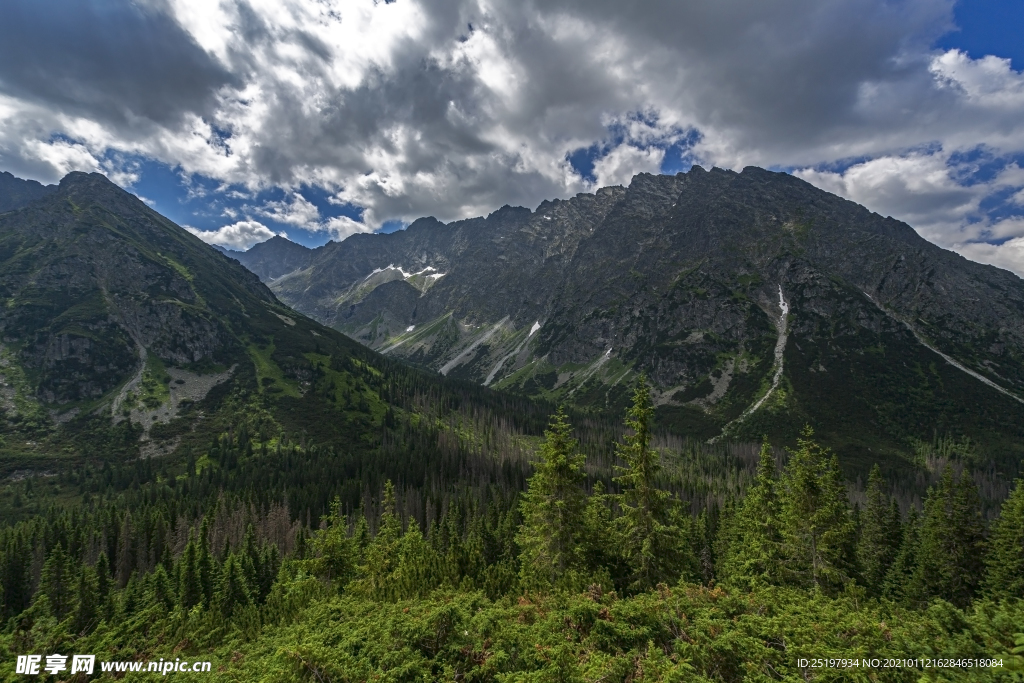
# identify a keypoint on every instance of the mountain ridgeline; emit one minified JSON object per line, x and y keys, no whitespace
{"x":754,"y":302}
{"x":122,"y":334}
{"x":192,"y":470}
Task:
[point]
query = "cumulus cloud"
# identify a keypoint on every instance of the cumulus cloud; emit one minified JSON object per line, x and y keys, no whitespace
{"x":1009,"y":255}
{"x":917,"y":188}
{"x":454,"y":107}
{"x":622,"y":163}
{"x":341,"y":227}
{"x":295,"y":210}
{"x":925,"y":189}
{"x":238,"y":236}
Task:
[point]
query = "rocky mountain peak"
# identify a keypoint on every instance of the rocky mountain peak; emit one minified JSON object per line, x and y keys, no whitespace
{"x":742,"y":296}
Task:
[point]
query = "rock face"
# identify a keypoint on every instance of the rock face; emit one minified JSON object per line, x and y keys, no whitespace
{"x":273,"y":258}
{"x":16,"y":193}
{"x":94,"y":280}
{"x":123,"y":335}
{"x":753,"y":301}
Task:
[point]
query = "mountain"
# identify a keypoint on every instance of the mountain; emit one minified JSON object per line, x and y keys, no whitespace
{"x":15,"y":192}
{"x":192,"y":472}
{"x":754,"y":302}
{"x":121,"y":331}
{"x":276,"y":257}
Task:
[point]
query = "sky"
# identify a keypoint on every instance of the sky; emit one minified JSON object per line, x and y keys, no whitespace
{"x":318,"y":119}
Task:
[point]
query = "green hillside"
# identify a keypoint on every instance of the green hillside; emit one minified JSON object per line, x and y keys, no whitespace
{"x":192,"y":471}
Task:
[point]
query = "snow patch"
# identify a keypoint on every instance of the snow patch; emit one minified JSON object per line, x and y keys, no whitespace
{"x":377,"y":270}
{"x":536,"y":326}
{"x":429,"y":272}
{"x":410,"y":328}
{"x":780,"y":348}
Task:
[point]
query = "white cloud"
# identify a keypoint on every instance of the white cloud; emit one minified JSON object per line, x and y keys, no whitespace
{"x":924,"y":190}
{"x":917,"y":188}
{"x":341,"y":227}
{"x":454,"y":107}
{"x":989,"y":82}
{"x":625,"y":161}
{"x":239,"y":236}
{"x":1008,"y":255}
{"x":296,"y":210}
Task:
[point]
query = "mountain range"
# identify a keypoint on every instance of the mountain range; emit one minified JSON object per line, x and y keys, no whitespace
{"x":121,"y":334}
{"x":753,"y":302}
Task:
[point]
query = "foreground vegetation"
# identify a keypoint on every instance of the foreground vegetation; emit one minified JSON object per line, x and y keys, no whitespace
{"x":582,"y":577}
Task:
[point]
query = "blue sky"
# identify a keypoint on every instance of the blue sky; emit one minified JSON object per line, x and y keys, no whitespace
{"x":242,"y":119}
{"x":988,"y":27}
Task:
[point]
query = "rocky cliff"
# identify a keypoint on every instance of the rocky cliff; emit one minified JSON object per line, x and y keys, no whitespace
{"x":114,"y":316}
{"x":753,"y":301}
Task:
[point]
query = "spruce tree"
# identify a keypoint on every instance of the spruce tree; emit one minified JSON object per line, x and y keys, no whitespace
{"x":233,"y":593}
{"x":381,"y":554}
{"x":817,"y":525}
{"x":600,"y":547}
{"x":1005,"y":578}
{"x":648,"y":528}
{"x":898,"y":579}
{"x":551,"y":537}
{"x":57,"y":582}
{"x":205,"y":564}
{"x":103,"y":587}
{"x":87,"y":602}
{"x":161,"y":589}
{"x":416,"y":571}
{"x":17,"y":573}
{"x":336,"y":554}
{"x":950,"y":551}
{"x":880,"y":534}
{"x":753,"y":552}
{"x":190,"y":590}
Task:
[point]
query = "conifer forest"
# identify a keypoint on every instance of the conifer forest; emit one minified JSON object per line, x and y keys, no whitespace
{"x":466,"y":545}
{"x":512,"y":341}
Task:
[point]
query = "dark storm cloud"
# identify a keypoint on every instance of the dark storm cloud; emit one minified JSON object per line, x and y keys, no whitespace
{"x":110,"y":60}
{"x":454,"y":107}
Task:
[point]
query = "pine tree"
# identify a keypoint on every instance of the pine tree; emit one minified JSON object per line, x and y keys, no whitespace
{"x":753,"y":553}
{"x":57,"y":582}
{"x":103,"y":586}
{"x":205,"y":564}
{"x":949,"y":555}
{"x":880,"y":534}
{"x":817,"y":525}
{"x":232,"y":593}
{"x":897,"y":580}
{"x":190,"y":590}
{"x":336,"y":553}
{"x":161,"y":589}
{"x":381,"y":554}
{"x":1005,"y":578}
{"x":87,"y":602}
{"x":648,"y":529}
{"x":416,"y":572}
{"x":552,"y":534}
